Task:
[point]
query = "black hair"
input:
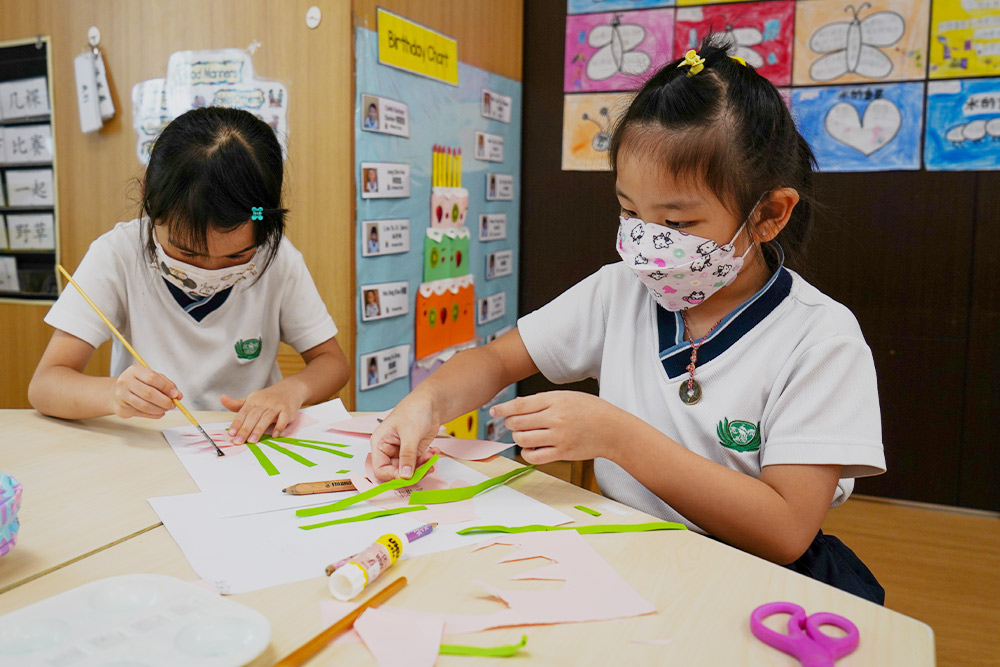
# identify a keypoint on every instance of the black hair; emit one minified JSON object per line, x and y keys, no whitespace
{"x":729,"y":126}
{"x":208,"y":168}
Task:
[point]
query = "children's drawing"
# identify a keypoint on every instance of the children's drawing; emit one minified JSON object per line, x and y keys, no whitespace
{"x":588,"y":121}
{"x":877,"y":40}
{"x":878,"y":127}
{"x":760,"y":33}
{"x":613,"y":51}
{"x":862,"y":128}
{"x":851,"y":46}
{"x":963,"y":125}
{"x":965,"y":38}
{"x":591,"y":6}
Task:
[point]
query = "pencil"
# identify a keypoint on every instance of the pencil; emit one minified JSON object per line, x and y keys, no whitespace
{"x":316,"y":644}
{"x":306,"y":488}
{"x":135,"y":354}
{"x":458,"y":170}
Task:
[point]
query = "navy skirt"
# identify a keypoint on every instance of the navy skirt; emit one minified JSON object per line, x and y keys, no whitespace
{"x":831,"y":561}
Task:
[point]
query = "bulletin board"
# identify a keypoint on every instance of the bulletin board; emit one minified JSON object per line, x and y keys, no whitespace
{"x":29,"y":238}
{"x":441,"y":284}
{"x":886,"y":85}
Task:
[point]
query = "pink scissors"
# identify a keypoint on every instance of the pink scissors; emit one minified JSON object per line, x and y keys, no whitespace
{"x":804,"y":640}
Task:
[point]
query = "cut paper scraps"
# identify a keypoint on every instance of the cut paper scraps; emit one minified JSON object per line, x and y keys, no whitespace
{"x":595,"y":529}
{"x":761,"y":34}
{"x":616,"y":51}
{"x":467,"y":449}
{"x":862,"y":128}
{"x":965,"y":38}
{"x":436,"y":496}
{"x":507,"y":651}
{"x":963,"y":125}
{"x":392,"y":484}
{"x":844,"y":42}
{"x":364,"y":517}
{"x":398,"y":639}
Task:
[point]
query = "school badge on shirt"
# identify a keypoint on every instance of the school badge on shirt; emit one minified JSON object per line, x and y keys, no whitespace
{"x":248,"y":349}
{"x":739,"y":435}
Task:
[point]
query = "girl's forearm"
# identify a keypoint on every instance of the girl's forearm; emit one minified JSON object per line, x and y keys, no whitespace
{"x":62,"y":392}
{"x":739,"y":509}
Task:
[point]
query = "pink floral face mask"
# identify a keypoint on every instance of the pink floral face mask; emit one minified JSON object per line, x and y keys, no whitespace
{"x":680,"y":270}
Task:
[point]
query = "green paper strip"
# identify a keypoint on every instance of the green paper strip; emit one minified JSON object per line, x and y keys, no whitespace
{"x":418,"y":475}
{"x":261,"y":459}
{"x":484,"y":651}
{"x":364,"y":517}
{"x":290,"y":454}
{"x":303,"y":443}
{"x":583,"y":530}
{"x":464,"y":492}
{"x":587,"y":510}
{"x":341,"y":472}
{"x":318,"y":442}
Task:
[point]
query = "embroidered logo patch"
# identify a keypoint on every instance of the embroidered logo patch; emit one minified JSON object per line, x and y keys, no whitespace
{"x":248,"y":349}
{"x":739,"y":435}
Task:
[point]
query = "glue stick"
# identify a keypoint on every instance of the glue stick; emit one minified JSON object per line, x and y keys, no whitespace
{"x":351,"y":575}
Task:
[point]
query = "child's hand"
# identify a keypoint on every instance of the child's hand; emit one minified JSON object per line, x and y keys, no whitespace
{"x":402,"y":441}
{"x":141,"y":392}
{"x":277,"y":404}
{"x":564,"y":426}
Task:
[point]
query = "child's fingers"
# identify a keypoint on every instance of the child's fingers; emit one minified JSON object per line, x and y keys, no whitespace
{"x":265,"y":419}
{"x":157,"y":381}
{"x":383,"y":460}
{"x":282,"y":421}
{"x":152,"y":395}
{"x":520,"y":406}
{"x":528,"y":422}
{"x":141,"y":407}
{"x":538,"y":438}
{"x":251,"y":414}
{"x":540,"y":455}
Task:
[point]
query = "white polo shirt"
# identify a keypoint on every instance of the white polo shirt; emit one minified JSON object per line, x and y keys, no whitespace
{"x":787,"y":378}
{"x":233,"y":350}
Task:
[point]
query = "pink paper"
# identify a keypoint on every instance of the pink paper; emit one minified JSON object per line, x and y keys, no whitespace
{"x":469,"y":450}
{"x":301,"y":421}
{"x":593,"y":591}
{"x":398,"y":639}
{"x":365,"y":425}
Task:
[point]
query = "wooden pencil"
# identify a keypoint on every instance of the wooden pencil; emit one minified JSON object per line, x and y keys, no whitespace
{"x":316,"y":644}
{"x":135,"y":354}
{"x":331,"y":486}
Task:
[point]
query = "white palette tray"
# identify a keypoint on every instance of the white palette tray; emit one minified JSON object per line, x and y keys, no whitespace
{"x":136,"y":620}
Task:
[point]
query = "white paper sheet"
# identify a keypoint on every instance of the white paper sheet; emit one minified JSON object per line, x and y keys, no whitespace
{"x":237,"y":554}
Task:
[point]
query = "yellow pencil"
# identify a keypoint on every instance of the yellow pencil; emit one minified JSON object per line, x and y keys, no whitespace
{"x":135,"y":354}
{"x":436,"y":167}
{"x":458,"y":170}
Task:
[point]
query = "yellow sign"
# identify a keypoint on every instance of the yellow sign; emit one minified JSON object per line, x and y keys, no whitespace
{"x":414,"y":48}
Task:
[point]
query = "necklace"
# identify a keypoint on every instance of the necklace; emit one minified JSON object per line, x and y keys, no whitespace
{"x":690,"y":391}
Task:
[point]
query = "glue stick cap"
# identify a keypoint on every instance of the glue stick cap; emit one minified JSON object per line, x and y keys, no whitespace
{"x":347,"y":581}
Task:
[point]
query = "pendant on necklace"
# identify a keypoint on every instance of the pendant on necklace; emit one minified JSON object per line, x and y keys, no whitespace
{"x":690,"y":391}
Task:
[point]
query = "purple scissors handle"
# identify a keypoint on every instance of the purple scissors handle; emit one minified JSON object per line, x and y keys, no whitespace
{"x":805,"y":641}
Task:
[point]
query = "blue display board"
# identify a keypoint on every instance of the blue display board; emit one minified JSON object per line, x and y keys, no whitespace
{"x":438,"y":114}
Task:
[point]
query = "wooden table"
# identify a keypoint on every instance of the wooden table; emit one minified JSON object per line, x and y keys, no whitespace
{"x":85,"y":517}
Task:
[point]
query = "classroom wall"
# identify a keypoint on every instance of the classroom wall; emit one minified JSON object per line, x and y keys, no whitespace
{"x":915,"y":255}
{"x":95,"y":171}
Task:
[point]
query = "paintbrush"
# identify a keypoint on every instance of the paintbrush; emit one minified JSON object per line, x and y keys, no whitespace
{"x":135,"y":354}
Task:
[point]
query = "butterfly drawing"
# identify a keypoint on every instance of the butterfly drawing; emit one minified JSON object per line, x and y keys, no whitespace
{"x":742,"y":39}
{"x":615,"y":43}
{"x":850,"y":46}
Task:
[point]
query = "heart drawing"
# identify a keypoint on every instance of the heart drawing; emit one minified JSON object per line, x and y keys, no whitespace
{"x":879,"y":126}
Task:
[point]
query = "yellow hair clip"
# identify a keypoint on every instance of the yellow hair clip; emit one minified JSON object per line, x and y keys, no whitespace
{"x":694,"y":62}
{"x":739,"y":60}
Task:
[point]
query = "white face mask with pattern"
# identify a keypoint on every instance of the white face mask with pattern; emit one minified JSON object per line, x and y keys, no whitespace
{"x":680,"y":270}
{"x":197,"y":282}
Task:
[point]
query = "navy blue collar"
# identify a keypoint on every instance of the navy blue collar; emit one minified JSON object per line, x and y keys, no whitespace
{"x":199,"y":309}
{"x":674,"y":350}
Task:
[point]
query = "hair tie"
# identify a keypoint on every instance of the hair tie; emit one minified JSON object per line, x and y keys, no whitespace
{"x":694,"y":62}
{"x":256,"y":212}
{"x":739,"y":60}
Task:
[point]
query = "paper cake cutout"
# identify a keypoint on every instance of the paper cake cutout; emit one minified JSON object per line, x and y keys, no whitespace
{"x":445,"y":315}
{"x":446,"y":253}
{"x":449,"y":207}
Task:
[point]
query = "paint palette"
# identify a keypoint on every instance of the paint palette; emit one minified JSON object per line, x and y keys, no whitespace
{"x":134,"y":619}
